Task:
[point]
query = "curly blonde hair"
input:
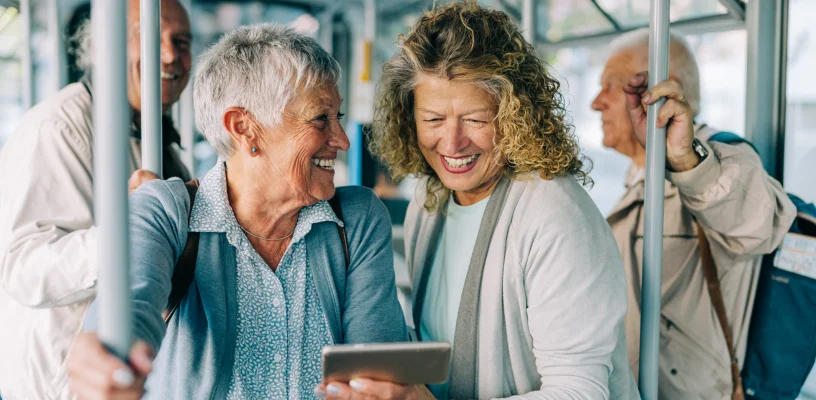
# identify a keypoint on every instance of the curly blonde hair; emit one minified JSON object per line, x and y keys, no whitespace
{"x":465,"y":42}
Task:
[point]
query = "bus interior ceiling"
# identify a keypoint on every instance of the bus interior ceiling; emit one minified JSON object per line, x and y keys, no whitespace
{"x":569,"y":34}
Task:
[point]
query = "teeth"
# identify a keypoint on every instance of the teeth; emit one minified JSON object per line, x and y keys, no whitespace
{"x":460,"y":162}
{"x":325,"y":164}
{"x":165,"y":75}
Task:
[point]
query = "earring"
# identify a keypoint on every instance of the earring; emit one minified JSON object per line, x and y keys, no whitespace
{"x":254,"y":149}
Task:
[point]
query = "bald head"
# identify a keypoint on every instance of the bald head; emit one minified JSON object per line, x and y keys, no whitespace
{"x":682,"y":63}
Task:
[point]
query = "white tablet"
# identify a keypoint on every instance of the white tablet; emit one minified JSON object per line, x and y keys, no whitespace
{"x":405,"y":363}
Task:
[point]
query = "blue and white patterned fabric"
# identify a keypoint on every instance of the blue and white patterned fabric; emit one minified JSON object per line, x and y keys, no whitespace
{"x":281,"y":325}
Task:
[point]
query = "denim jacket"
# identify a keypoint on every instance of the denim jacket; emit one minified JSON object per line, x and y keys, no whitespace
{"x":196,"y":350}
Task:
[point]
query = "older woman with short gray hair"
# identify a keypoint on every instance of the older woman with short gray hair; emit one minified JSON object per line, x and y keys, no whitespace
{"x":280,"y":272}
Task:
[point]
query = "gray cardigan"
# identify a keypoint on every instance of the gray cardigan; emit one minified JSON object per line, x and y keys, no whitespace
{"x":552,"y":298}
{"x":197,"y":351}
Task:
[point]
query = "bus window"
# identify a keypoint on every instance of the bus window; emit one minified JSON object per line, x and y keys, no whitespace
{"x":11,"y":103}
{"x":800,"y":123}
{"x":634,"y":13}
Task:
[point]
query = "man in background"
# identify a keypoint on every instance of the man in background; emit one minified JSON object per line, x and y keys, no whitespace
{"x":743,"y":212}
{"x":48,"y":244}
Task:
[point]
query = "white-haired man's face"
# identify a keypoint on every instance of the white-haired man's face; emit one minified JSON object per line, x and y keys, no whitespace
{"x":611,"y":101}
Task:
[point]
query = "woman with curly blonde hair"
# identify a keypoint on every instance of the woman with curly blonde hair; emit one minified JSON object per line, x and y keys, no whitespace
{"x":511,"y":261}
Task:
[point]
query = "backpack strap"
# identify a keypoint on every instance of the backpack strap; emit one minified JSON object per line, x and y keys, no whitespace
{"x":184,"y":271}
{"x":732,"y":139}
{"x":334,"y":202}
{"x":714,"y":292}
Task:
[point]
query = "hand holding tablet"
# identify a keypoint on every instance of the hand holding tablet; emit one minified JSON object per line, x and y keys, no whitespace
{"x":383,"y":370}
{"x":402,"y":363}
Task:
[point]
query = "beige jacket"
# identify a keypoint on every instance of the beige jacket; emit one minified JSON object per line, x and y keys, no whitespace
{"x":47,"y":242}
{"x":745,"y":213}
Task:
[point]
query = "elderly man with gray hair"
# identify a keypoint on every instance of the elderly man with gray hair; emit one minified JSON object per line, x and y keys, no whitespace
{"x":717,"y":197}
{"x":48,"y":265}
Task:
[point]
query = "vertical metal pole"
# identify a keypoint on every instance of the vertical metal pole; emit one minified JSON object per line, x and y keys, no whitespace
{"x":327,"y":42}
{"x":150,"y":28}
{"x":175,"y":110}
{"x":186,"y":124}
{"x":355,"y":153}
{"x":370,"y":32}
{"x":528,"y":21}
{"x":653,"y":230}
{"x":59,"y":74}
{"x":111,"y":172}
{"x":25,"y":58}
{"x":327,"y":32}
{"x":186,"y":117}
{"x":766,"y":25}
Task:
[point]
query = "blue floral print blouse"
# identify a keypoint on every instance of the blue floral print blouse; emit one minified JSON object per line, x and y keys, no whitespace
{"x":281,"y":325}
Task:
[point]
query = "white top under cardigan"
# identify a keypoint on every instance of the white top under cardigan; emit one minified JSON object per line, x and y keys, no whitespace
{"x":447,"y":276}
{"x":552,"y":299}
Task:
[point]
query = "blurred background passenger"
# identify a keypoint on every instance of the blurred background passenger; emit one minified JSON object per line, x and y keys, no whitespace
{"x":279,"y":274}
{"x":48,"y":249}
{"x":744,"y":213}
{"x":511,"y":260}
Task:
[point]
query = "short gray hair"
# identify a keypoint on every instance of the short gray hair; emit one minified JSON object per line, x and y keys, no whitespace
{"x":682,"y":63}
{"x":259,"y":68}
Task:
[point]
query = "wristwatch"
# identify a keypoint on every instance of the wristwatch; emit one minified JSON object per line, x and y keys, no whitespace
{"x":698,"y":148}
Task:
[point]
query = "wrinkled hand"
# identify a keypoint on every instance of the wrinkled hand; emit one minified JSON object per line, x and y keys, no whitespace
{"x":138,"y":178}
{"x":676,"y":115}
{"x":97,"y":374}
{"x":359,"y":389}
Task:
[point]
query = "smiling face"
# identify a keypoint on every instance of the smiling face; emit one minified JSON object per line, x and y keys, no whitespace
{"x":455,"y":129}
{"x":303,"y":148}
{"x":176,"y":58}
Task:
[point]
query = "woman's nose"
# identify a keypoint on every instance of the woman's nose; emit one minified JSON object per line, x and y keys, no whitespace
{"x":338,"y":137}
{"x":453,"y":138}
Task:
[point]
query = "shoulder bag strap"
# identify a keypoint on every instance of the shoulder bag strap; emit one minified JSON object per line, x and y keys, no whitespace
{"x":184,"y":271}
{"x":713,"y":284}
{"x":334,"y":202}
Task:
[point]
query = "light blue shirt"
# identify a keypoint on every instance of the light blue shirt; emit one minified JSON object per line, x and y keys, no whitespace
{"x":282,"y":327}
{"x":447,"y":277}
